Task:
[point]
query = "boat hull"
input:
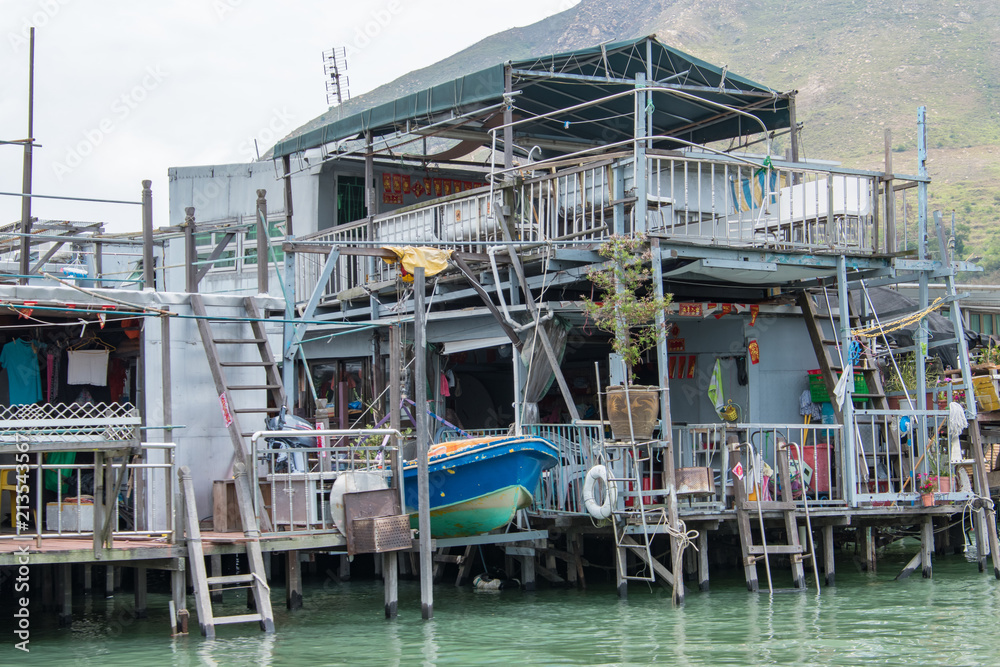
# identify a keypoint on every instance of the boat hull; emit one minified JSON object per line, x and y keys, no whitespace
{"x":477,"y":485}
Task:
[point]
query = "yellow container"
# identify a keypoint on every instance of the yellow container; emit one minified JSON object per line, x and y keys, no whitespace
{"x":986,"y":392}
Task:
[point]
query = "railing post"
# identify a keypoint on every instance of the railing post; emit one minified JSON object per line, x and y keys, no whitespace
{"x":263,"y":237}
{"x":148,"y":275}
{"x":850,"y":453}
{"x":190,"y":252}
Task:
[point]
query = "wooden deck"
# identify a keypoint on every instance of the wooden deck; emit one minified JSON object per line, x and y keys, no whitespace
{"x":56,"y":549}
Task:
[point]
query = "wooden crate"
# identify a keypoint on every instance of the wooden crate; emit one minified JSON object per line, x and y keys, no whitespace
{"x":225,"y":507}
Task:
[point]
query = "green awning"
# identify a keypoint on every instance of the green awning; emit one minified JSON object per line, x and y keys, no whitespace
{"x":689,"y":110}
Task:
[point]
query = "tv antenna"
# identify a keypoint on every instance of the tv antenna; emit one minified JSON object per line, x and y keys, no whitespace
{"x":335,"y":69}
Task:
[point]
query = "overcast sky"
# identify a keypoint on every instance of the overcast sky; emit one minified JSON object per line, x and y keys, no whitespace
{"x":124,"y":89}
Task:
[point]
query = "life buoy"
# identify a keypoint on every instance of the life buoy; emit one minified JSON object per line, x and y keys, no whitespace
{"x":603,"y":509}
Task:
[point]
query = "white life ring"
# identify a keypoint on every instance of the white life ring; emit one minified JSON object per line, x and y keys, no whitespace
{"x":603,"y":509}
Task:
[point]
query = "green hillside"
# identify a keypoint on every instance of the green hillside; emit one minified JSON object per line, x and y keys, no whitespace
{"x":860,"y":66}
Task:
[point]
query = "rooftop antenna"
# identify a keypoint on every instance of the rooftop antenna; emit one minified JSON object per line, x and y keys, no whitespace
{"x":335,"y":69}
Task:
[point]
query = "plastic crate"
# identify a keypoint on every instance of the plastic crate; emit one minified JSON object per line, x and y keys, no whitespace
{"x":819,"y":394}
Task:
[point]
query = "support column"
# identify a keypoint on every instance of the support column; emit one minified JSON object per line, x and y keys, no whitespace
{"x":390,"y":579}
{"x":178,"y":592}
{"x":148,"y":272}
{"x":641,"y":203}
{"x":293,"y":580}
{"x":263,"y":238}
{"x":109,"y":580}
{"x":926,"y":545}
{"x":420,"y":414}
{"x":703,"y":559}
{"x":215,"y":561}
{"x":66,"y":582}
{"x":828,"y":554}
{"x":621,"y":559}
{"x":850,"y":458}
{"x":868,"y":535}
{"x":29,"y":146}
{"x":88,"y":577}
{"x":190,"y":252}
{"x":140,"y":592}
{"x":528,"y":572}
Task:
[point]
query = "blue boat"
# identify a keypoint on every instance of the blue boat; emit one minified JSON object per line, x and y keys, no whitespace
{"x":477,"y":484}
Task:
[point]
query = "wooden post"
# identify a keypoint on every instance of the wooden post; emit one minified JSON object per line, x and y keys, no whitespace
{"x":178,"y":591}
{"x":148,"y":273}
{"x":926,"y":545}
{"x":29,"y":146}
{"x":749,"y":562}
{"x":528,"y":572}
{"x":889,"y":196}
{"x":190,"y":252}
{"x":828,"y":554}
{"x":88,"y":577}
{"x":263,"y":236}
{"x":420,"y":414}
{"x":982,"y":489}
{"x":345,"y":569}
{"x":390,"y":582}
{"x":109,"y":580}
{"x":140,"y":592}
{"x":982,"y":544}
{"x":868,"y":536}
{"x":620,"y":581}
{"x":66,"y":582}
{"x":216,"y":562}
{"x":99,"y":264}
{"x":293,"y":580}
{"x":791,"y":523}
{"x":703,"y":559}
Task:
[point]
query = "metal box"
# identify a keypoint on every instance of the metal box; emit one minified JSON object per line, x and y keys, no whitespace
{"x":694,"y":481}
{"x":375,"y":523}
{"x":379,"y":534}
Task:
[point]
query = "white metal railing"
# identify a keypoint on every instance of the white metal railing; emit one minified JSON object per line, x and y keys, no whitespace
{"x":705,"y":445}
{"x":728,"y":202}
{"x":293,"y":484}
{"x":69,"y":422}
{"x":891,"y":464}
{"x":56,"y":499}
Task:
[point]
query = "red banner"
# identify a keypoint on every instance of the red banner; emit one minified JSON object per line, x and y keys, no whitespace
{"x":690,"y":370}
{"x":675,"y":345}
{"x":406,"y":184}
{"x":387,"y":182}
{"x":689,"y":310}
{"x":754,"y":350}
{"x":754,"y":311}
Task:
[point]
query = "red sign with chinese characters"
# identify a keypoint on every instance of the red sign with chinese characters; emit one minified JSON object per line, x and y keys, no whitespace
{"x":689,"y":310}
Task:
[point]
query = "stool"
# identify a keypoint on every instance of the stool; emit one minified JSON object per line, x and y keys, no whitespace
{"x":8,"y":483}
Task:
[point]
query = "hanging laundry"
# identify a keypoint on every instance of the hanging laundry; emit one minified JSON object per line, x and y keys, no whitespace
{"x":715,"y":389}
{"x":23,"y":376}
{"x":87,"y":367}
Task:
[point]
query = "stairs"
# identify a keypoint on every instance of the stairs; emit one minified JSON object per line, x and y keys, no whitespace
{"x":255,"y":580}
{"x":825,"y":335}
{"x":753,"y":552}
{"x":272,"y":382}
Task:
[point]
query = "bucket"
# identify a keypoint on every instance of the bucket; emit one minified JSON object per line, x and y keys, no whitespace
{"x":817,"y":457}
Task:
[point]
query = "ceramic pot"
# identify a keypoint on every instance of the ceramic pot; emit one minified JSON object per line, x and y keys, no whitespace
{"x":644,"y":404}
{"x":927,"y":499}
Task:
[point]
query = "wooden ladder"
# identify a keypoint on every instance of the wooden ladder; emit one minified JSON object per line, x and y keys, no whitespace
{"x":255,"y":580}
{"x":793,"y":548}
{"x":272,"y":375}
{"x":826,"y":343}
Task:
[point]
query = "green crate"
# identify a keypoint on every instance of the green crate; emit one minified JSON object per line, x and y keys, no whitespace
{"x":819,"y":394}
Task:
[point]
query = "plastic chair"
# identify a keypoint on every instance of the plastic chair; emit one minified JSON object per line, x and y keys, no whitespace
{"x":8,"y":483}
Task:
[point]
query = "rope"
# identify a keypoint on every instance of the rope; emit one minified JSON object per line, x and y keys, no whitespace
{"x":897,"y":324}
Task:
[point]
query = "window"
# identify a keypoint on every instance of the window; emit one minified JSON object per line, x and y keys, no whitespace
{"x":206,"y":243}
{"x":974,"y":324}
{"x":350,"y":199}
{"x":276,"y":232}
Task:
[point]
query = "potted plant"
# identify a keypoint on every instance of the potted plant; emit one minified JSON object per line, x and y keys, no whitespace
{"x":628,"y":310}
{"x":926,"y":485}
{"x":905,"y":381}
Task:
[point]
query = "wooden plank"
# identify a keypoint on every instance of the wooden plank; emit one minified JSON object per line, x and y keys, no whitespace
{"x":519,"y":551}
{"x":261,"y":591}
{"x":791,"y":524}
{"x":657,"y":566}
{"x":759,"y":549}
{"x":746,"y":536}
{"x":909,"y":568}
{"x":203,"y":603}
{"x":982,"y":489}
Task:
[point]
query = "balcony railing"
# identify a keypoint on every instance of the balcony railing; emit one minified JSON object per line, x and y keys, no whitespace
{"x":696,"y":197}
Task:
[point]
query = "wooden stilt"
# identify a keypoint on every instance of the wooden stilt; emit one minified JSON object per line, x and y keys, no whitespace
{"x":982,"y":489}
{"x":528,"y":572}
{"x":703,"y":559}
{"x":943,"y":541}
{"x":390,"y":579}
{"x":178,"y":592}
{"x":48,"y":594}
{"x":345,"y":569}
{"x":378,"y":567}
{"x":926,"y":545}
{"x":982,"y":544}
{"x":910,"y":567}
{"x":620,"y":580}
{"x":465,"y":569}
{"x":66,"y":583}
{"x":868,"y":534}
{"x":88,"y":577}
{"x":578,"y":542}
{"x":828,"y":554}
{"x":140,"y":592}
{"x":293,"y":581}
{"x":216,"y":562}
{"x":117,"y":578}
{"x":749,"y":562}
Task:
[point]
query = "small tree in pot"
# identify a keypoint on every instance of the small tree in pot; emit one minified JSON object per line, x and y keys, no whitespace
{"x":628,"y":311}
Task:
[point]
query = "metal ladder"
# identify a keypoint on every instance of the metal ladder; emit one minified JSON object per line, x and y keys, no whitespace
{"x":255,"y":580}
{"x":752,"y":552}
{"x":626,"y":456}
{"x":272,"y":374}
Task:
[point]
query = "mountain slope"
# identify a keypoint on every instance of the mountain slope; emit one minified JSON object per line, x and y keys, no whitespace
{"x":860,"y":66}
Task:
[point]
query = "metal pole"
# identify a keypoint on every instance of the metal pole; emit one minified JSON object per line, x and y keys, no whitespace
{"x":850,"y":455}
{"x":26,"y":171}
{"x":148,"y":275}
{"x":263,"y":261}
{"x":423,"y":445}
{"x":641,"y":203}
{"x":920,"y":337}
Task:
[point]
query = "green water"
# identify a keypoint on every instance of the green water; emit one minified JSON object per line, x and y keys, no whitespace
{"x":951,"y":619}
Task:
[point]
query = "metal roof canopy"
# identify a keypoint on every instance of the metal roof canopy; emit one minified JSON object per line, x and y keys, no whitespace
{"x":685,"y":103}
